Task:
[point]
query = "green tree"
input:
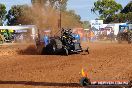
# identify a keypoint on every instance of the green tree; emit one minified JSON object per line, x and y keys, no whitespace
{"x":18,"y":15}
{"x":127,"y":12}
{"x":2,"y":13}
{"x":124,"y":16}
{"x":127,"y":8}
{"x":106,"y":8}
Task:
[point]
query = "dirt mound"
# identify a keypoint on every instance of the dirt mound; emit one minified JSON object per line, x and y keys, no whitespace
{"x":17,"y":49}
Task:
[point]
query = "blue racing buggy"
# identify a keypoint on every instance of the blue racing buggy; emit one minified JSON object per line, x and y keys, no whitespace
{"x":65,"y":44}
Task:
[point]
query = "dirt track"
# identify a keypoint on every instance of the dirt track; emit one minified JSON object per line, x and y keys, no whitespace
{"x":106,"y":61}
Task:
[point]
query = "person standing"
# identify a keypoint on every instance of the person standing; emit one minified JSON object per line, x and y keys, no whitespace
{"x":112,"y":35}
{"x":46,"y":40}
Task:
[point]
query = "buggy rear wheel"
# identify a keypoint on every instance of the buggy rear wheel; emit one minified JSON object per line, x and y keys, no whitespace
{"x":49,"y":49}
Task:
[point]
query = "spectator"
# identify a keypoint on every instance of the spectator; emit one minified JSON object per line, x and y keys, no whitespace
{"x":112,"y":35}
{"x":46,"y":40}
{"x":92,"y":35}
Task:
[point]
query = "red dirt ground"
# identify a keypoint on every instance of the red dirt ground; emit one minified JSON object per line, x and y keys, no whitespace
{"x":106,"y":61}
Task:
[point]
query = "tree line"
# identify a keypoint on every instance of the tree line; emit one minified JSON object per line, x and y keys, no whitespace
{"x":108,"y":10}
{"x":46,"y":14}
{"x":112,"y":12}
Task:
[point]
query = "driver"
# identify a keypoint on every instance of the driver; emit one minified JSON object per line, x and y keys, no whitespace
{"x":67,"y":37}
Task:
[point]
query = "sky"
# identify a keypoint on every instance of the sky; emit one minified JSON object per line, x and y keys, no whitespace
{"x":81,"y":7}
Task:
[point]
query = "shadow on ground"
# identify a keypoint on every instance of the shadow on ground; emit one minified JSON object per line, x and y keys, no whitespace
{"x":59,"y":84}
{"x":40,"y":83}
